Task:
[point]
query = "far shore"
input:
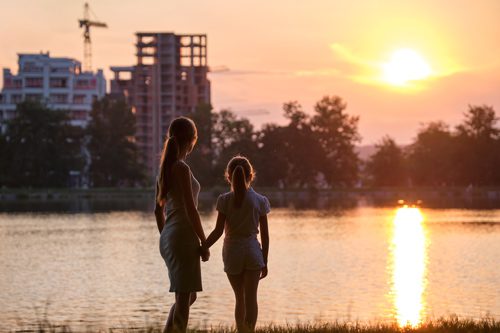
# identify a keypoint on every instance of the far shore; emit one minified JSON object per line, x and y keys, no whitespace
{"x":425,"y":196}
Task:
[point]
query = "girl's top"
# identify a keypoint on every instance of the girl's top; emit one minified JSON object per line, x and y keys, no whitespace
{"x":242,"y":222}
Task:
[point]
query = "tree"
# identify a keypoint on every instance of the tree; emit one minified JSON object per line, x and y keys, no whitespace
{"x":229,"y":129}
{"x":232,"y":135}
{"x":290,"y":155}
{"x":430,"y":156}
{"x":477,"y":158}
{"x":337,"y":134}
{"x":272,"y":159}
{"x":386,"y":167}
{"x":201,"y":159}
{"x":3,"y":161}
{"x":114,"y":156}
{"x":40,"y":147}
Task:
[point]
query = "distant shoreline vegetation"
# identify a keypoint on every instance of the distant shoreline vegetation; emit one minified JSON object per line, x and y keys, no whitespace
{"x":141,"y":199}
{"x":315,"y":149}
{"x":442,"y":325}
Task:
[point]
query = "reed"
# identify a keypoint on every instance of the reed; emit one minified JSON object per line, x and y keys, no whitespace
{"x":442,"y":325}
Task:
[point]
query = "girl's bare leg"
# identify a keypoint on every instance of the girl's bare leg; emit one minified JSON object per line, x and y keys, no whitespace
{"x":251,"y":283}
{"x":237,"y":283}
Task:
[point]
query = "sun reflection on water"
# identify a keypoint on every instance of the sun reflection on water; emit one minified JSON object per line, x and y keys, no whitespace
{"x":409,"y":265}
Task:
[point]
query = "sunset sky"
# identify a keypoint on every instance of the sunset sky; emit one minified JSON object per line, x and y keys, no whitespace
{"x":276,"y":51}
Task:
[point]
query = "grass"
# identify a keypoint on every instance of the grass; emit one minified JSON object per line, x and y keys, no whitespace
{"x":443,"y":325}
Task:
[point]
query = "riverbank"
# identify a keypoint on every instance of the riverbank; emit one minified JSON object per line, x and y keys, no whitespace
{"x":444,"y":325}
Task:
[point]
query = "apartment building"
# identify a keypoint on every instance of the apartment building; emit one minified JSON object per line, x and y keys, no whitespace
{"x":58,"y":82}
{"x":168,"y":80}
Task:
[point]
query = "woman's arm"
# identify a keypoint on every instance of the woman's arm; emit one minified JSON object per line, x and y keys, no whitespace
{"x":182,"y":170}
{"x":264,"y":238}
{"x":217,"y":232}
{"x":159,"y":212}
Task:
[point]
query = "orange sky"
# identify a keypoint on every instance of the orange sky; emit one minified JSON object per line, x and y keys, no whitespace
{"x":285,"y":50}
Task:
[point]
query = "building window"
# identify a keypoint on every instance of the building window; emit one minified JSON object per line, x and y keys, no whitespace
{"x":58,"y":82}
{"x":18,"y":83}
{"x":58,"y":98}
{"x":79,"y":114}
{"x":31,"y":67}
{"x":34,"y":82}
{"x":16,"y":98}
{"x":10,"y":114}
{"x":82,"y":84}
{"x":60,"y":70}
{"x":79,"y":99}
{"x":86,"y":83}
{"x":34,"y":97}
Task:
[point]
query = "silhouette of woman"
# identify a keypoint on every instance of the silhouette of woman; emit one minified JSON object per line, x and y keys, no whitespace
{"x":181,"y":231}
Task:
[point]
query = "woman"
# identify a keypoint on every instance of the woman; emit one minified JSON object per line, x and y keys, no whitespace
{"x":181,"y":231}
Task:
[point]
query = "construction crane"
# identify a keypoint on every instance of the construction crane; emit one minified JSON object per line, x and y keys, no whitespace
{"x":86,"y":23}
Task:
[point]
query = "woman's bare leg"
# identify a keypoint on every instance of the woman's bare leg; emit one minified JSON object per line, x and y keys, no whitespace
{"x":180,"y":323}
{"x":169,"y":326}
{"x":237,"y":283}
{"x":251,"y":283}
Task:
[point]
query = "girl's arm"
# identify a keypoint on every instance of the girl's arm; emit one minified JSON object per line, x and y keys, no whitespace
{"x":217,"y":232}
{"x":159,"y":213}
{"x":182,"y":171}
{"x":264,"y":238}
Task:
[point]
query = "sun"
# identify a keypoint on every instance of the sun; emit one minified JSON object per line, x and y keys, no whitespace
{"x":405,"y":66}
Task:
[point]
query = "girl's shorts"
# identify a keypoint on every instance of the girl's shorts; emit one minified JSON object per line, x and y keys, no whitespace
{"x":242,"y":254}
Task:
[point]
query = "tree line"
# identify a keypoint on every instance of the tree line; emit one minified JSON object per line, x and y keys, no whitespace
{"x":40,"y":148}
{"x":466,"y":155}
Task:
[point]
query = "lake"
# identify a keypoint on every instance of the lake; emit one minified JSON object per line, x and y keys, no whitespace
{"x":357,"y":263}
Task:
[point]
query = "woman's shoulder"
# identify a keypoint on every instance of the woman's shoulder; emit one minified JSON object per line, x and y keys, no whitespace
{"x":180,"y":166}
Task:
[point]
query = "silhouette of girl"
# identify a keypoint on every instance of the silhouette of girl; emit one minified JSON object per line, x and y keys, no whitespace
{"x":181,"y":231}
{"x":241,"y":213}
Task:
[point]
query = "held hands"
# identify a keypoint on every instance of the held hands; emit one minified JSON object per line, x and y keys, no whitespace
{"x":204,"y":253}
{"x":263,"y":272}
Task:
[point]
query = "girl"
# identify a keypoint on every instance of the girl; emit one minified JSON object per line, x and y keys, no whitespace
{"x":181,"y":231}
{"x":241,"y":212}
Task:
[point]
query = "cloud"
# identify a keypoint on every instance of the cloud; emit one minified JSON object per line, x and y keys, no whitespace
{"x":224,"y":70}
{"x":255,"y":112}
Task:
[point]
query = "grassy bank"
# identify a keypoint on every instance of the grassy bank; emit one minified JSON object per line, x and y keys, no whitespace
{"x":445,"y":325}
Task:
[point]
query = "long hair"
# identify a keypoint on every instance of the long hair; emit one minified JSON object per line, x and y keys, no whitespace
{"x":240,"y":174}
{"x":182,"y":136}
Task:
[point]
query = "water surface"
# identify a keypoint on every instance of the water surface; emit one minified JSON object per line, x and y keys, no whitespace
{"x":104,"y":270}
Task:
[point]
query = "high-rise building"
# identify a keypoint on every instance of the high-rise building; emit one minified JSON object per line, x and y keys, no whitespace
{"x":58,"y":82}
{"x":168,"y":80}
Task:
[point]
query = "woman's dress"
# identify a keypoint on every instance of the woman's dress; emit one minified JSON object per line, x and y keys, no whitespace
{"x":179,"y":244}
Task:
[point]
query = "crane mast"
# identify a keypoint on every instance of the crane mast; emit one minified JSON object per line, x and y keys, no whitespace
{"x":86,"y":23}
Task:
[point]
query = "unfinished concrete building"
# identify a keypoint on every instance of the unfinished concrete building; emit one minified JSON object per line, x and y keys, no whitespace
{"x":169,"y":80}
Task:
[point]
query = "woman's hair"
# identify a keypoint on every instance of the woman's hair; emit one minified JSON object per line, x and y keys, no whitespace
{"x":182,"y":135}
{"x":240,"y":174}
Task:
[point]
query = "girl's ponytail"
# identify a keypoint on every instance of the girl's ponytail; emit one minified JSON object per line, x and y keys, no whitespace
{"x":239,"y":184}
